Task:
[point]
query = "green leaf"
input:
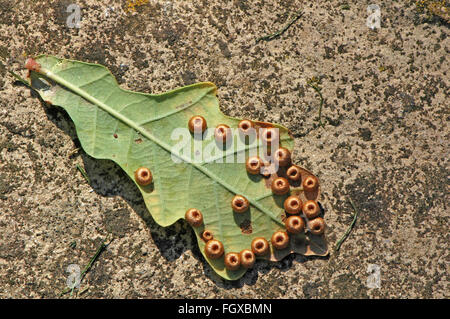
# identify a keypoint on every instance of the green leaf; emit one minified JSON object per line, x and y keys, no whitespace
{"x":135,"y":130}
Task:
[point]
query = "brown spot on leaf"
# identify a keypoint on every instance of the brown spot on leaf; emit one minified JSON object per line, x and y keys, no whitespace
{"x":246,"y":227}
{"x":138,"y":141}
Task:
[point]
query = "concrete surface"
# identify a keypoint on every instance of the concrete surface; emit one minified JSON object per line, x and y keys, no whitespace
{"x":385,"y":145}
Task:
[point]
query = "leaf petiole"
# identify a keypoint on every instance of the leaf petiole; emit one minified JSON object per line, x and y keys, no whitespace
{"x":349,"y":229}
{"x":313,"y":83}
{"x":83,"y":172}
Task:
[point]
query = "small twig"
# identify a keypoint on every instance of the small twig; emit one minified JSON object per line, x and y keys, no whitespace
{"x":93,"y":259}
{"x":82,"y":291}
{"x":339,"y":243}
{"x":88,"y":267}
{"x":83,"y":172}
{"x":313,"y":83}
{"x":272,"y":36}
{"x":66,"y":290}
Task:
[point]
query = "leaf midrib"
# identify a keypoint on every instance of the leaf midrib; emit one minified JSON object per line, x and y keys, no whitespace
{"x":57,"y":79}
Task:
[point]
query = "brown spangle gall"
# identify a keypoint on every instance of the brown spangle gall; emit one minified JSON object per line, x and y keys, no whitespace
{"x":115,"y":135}
{"x":245,"y":127}
{"x":293,"y":205}
{"x":294,"y":173}
{"x":280,"y":186}
{"x":317,"y":226}
{"x":194,"y":217}
{"x":232,"y":261}
{"x":295,"y":225}
{"x":197,"y":123}
{"x":280,"y":240}
{"x":207,"y":235}
{"x":222,"y":133}
{"x":269,"y":135}
{"x":260,"y":246}
{"x":143,"y":176}
{"x":240,"y":204}
{"x":247,"y":258}
{"x":310,"y":183}
{"x":214,"y":249}
{"x":253,"y":165}
{"x":283,"y":157}
{"x":311,"y":209}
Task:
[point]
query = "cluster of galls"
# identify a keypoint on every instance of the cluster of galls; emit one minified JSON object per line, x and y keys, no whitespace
{"x":295,"y":224}
{"x":214,"y":248}
{"x":293,"y":205}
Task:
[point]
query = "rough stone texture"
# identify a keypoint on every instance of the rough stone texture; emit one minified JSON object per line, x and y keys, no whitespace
{"x":385,"y":145}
